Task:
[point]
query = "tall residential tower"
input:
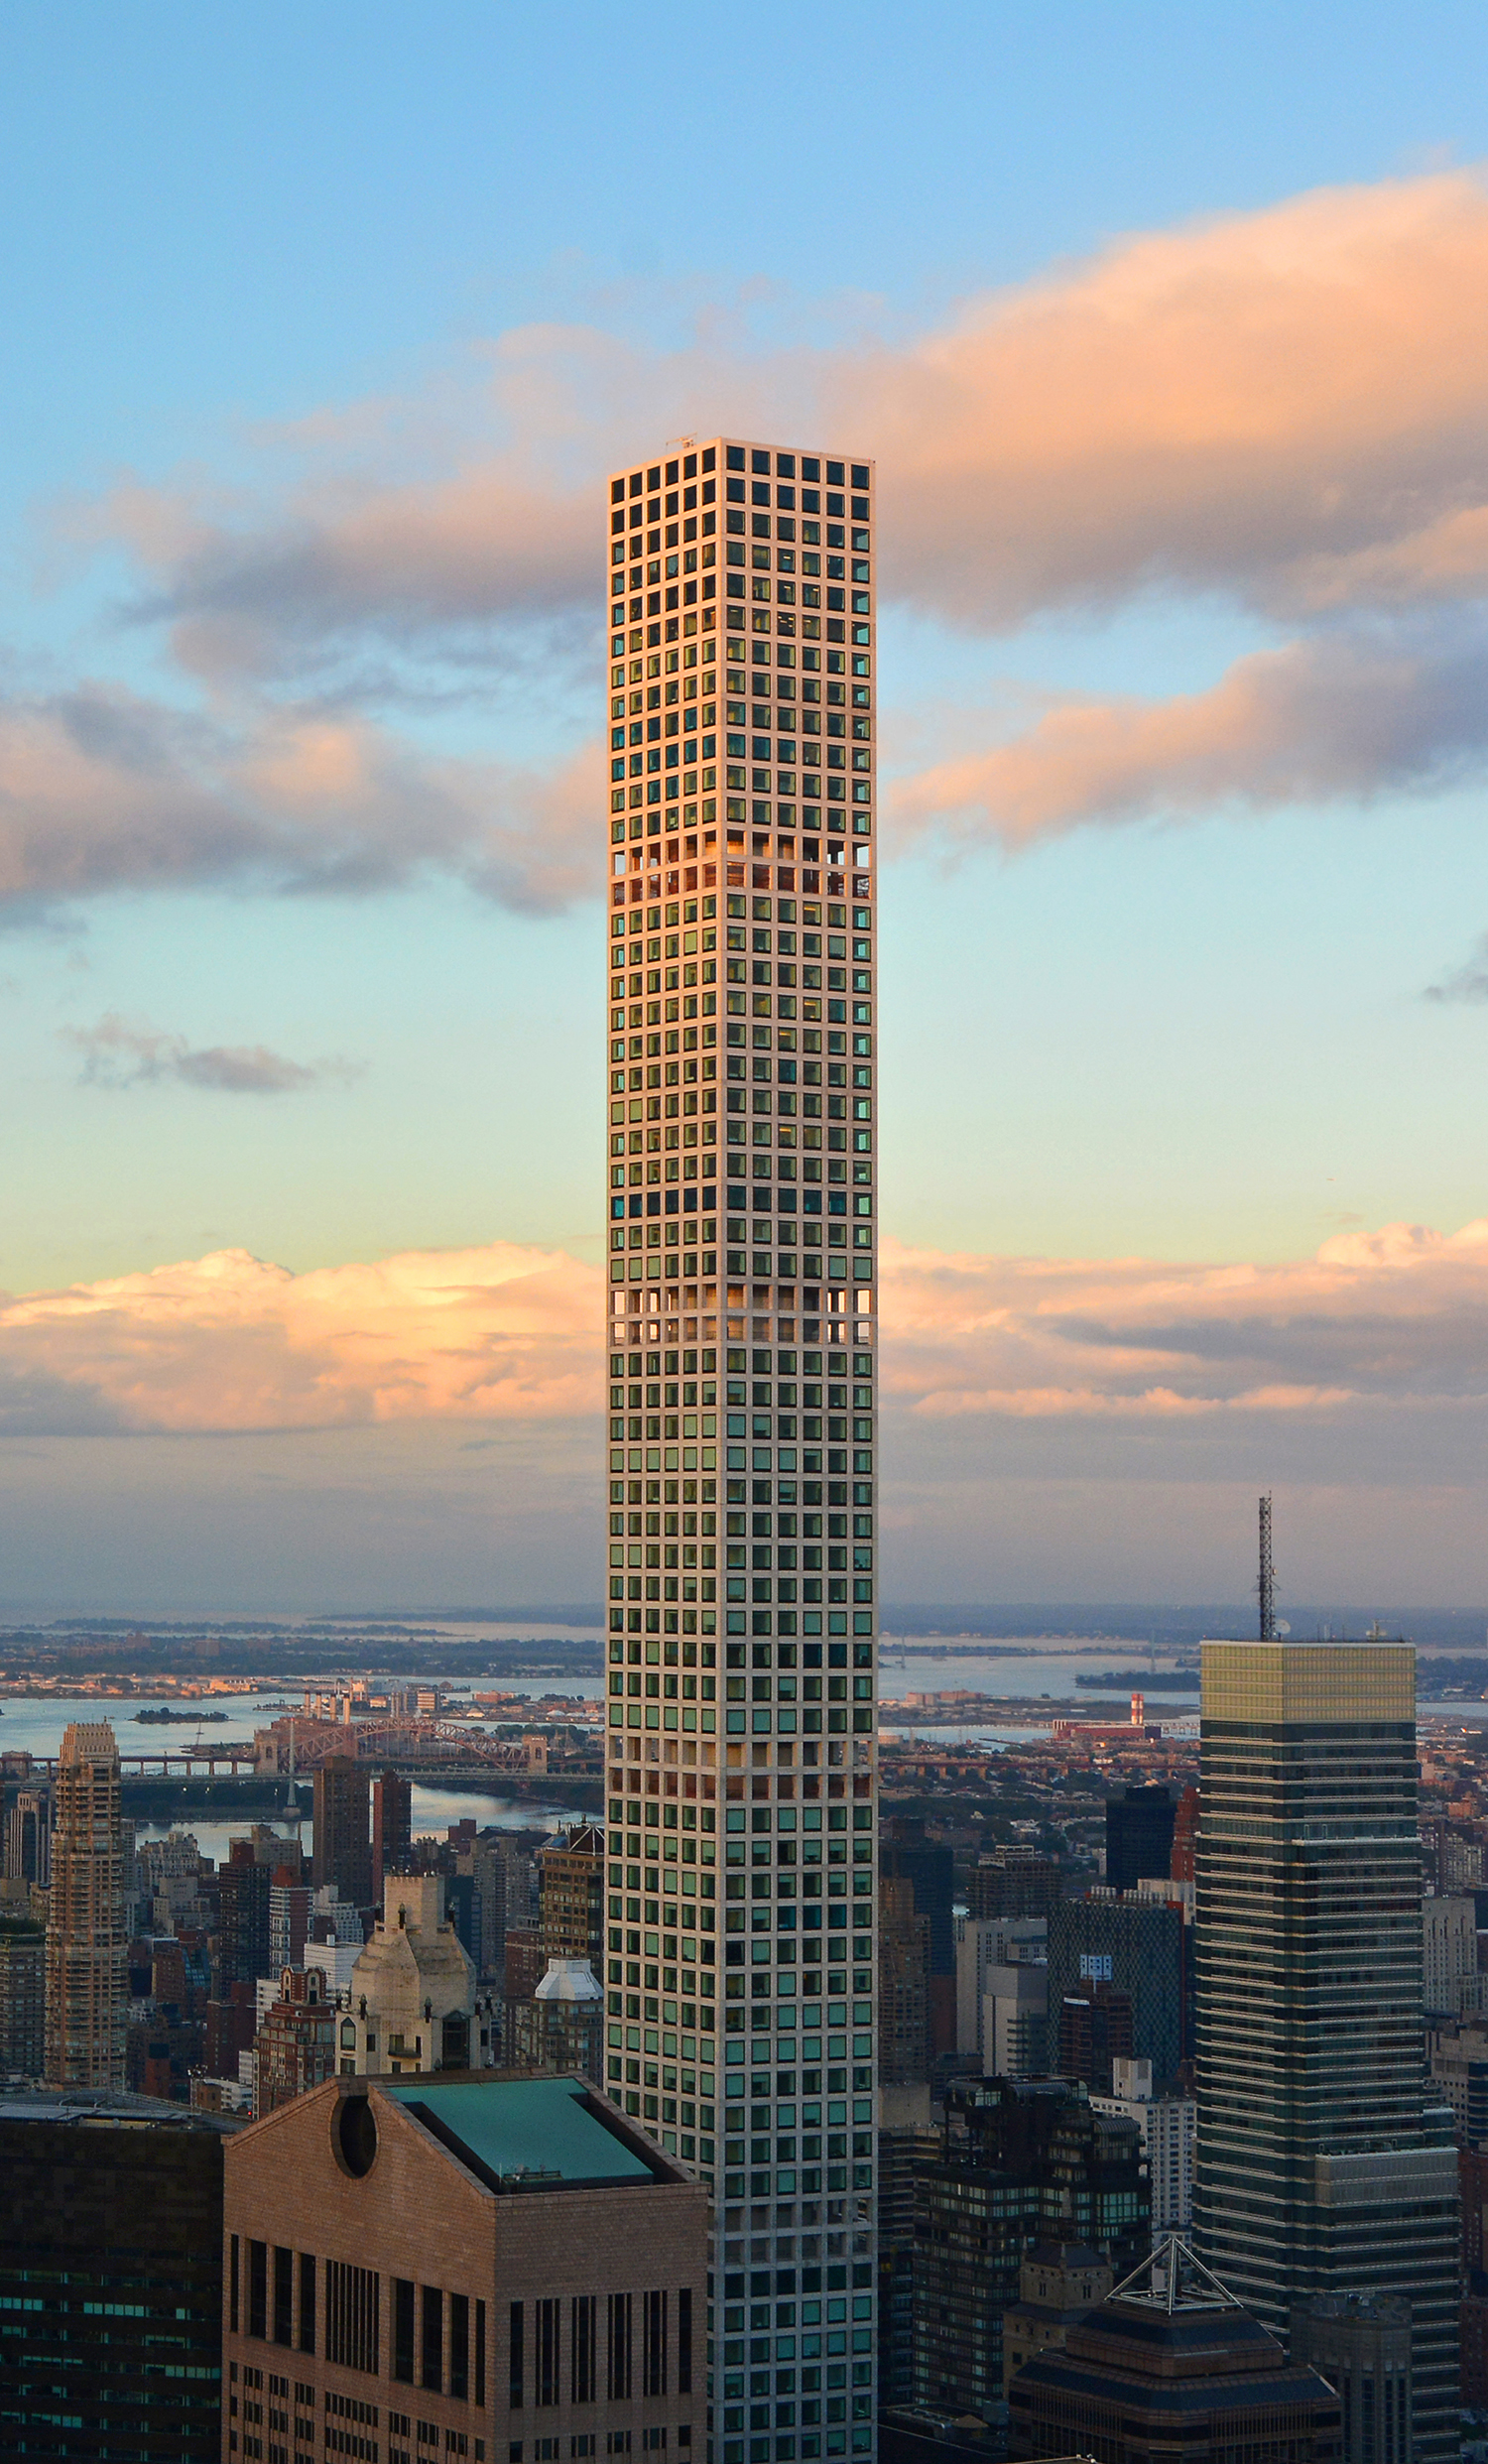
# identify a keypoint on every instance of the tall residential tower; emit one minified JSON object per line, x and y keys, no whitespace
{"x":86,"y":1940}
{"x":1323,"y":2167}
{"x":742,"y":1339}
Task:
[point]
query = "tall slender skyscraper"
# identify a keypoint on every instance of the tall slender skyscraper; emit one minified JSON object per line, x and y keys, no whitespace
{"x":741,"y":1112}
{"x":1322,"y":2165}
{"x":87,"y":1940}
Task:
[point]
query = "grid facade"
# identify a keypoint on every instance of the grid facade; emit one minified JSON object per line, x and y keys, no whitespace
{"x":742,"y":1342}
{"x":1323,"y":2165}
{"x":87,"y":1940}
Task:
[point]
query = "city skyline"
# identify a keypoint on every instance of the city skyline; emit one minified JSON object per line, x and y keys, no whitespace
{"x":1176,"y":416}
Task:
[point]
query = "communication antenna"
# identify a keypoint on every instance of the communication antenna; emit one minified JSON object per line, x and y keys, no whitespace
{"x":1268,"y":1575}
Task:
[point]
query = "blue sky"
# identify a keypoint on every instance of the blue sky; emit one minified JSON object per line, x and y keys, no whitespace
{"x":277,"y":280}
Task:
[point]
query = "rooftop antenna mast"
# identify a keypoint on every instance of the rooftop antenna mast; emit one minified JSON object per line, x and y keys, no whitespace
{"x":1268,"y":1575}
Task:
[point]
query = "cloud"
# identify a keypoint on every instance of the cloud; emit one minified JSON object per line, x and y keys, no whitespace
{"x":118,"y":1055}
{"x":1347,"y":716}
{"x":228,"y":1344}
{"x":1376,"y":1322}
{"x":103,"y":791}
{"x":1469,"y":982}
{"x":1286,"y":407}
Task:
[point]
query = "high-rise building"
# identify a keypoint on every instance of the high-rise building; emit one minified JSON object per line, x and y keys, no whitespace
{"x":487,"y":2269}
{"x":244,"y":1909}
{"x":28,"y":1838}
{"x":1139,"y":1834}
{"x":289,"y":1904}
{"x":1361,"y":2344}
{"x":561,"y":2028}
{"x":110,"y":2278}
{"x":907,"y":2139}
{"x":1168,"y":2127}
{"x":905,"y":1854}
{"x":22,"y":1997}
{"x":1324,"y":2165}
{"x":343,"y":1845}
{"x":1013,"y":1882}
{"x":1136,"y":1947}
{"x":903,"y":2042}
{"x":984,"y":1946}
{"x":1448,"y":1950}
{"x":741,"y":1109}
{"x":392,"y":1828}
{"x":87,"y":1929}
{"x":295,"y":2046}
{"x":1024,"y":2161}
{"x":1015,"y":2021}
{"x":570,"y":1889}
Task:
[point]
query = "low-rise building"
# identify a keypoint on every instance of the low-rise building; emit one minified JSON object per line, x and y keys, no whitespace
{"x":1058,"y":2283}
{"x":1169,"y":2366}
{"x":489,"y":2268}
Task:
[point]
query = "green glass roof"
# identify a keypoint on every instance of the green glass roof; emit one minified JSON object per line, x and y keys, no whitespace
{"x":538,"y":2125}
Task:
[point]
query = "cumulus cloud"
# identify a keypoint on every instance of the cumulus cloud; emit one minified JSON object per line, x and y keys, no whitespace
{"x":116,"y":1053}
{"x":1391,"y":1321}
{"x":227,"y":1343}
{"x":101,"y":791}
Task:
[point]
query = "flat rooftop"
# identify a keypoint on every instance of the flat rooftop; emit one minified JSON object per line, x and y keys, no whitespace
{"x":111,"y":2109}
{"x":519,"y":2134}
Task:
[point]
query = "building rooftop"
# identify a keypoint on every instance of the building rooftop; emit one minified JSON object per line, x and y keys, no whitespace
{"x":515,"y":2133}
{"x":115,"y":2108}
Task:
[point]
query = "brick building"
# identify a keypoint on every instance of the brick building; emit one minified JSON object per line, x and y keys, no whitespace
{"x":498,"y":2270}
{"x":295,"y":2047}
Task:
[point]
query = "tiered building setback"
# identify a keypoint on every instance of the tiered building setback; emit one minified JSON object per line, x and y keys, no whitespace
{"x":742,"y":1339}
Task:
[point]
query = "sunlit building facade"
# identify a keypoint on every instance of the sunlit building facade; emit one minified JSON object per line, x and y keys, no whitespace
{"x":1325,"y":2164}
{"x":741,"y":1098}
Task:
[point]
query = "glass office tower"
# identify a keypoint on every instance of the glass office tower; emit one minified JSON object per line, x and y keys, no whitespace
{"x":742,"y":1343}
{"x":1322,"y":2166}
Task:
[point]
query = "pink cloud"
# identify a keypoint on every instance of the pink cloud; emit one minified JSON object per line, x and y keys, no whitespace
{"x":1287,"y":405}
{"x":1336,"y":717}
{"x":1396,"y":1320}
{"x":227,"y":1343}
{"x":101,"y":790}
